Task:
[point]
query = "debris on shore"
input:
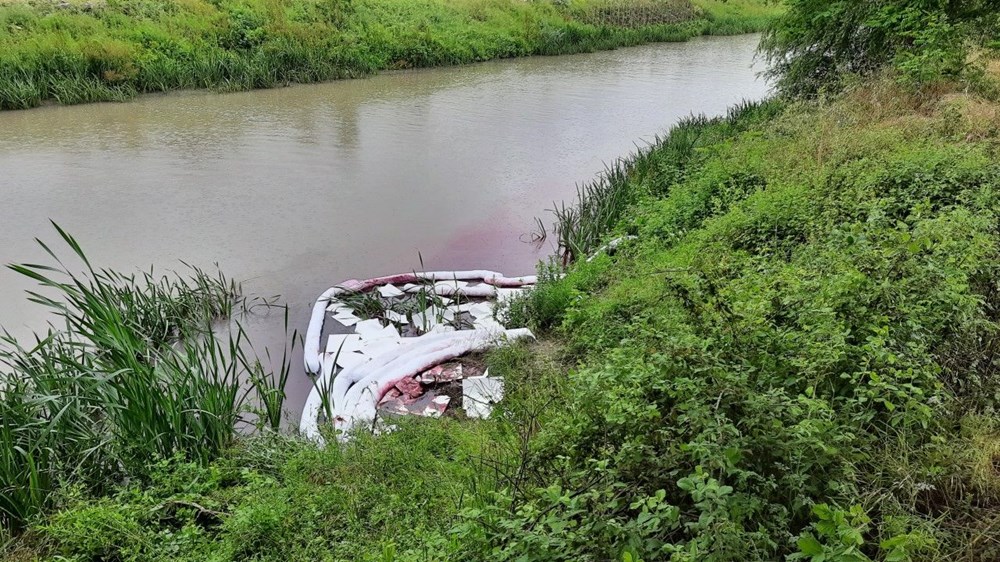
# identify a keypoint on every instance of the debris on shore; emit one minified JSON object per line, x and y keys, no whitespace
{"x":404,"y":345}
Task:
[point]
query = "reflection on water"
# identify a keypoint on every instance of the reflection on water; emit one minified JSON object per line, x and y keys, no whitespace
{"x":296,"y":189}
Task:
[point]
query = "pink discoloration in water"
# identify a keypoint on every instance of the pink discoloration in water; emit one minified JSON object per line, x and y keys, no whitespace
{"x":489,"y":240}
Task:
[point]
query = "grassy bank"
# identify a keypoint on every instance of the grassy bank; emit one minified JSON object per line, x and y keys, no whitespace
{"x":790,"y":355}
{"x":134,"y":368}
{"x":111,"y":50}
{"x":795,"y":353}
{"x":794,"y":357}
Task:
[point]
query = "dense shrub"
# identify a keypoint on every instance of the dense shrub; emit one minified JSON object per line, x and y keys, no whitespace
{"x":808,"y":301}
{"x":817,"y":42}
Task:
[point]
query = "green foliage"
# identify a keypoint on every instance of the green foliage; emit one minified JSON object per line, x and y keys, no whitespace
{"x":805,"y":319}
{"x":731,"y":17}
{"x":113,"y":50}
{"x":142,"y":369}
{"x":275,"y":498}
{"x":601,"y":204}
{"x":543,"y":307}
{"x":815,"y":43}
{"x":269,"y":497}
{"x":841,"y":535}
{"x":799,"y":307}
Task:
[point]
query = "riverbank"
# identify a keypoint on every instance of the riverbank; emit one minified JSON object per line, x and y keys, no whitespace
{"x":793,"y":356}
{"x":83,"y":52}
{"x":789,"y":354}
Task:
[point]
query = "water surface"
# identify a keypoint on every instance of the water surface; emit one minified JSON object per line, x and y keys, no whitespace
{"x":293,"y":190}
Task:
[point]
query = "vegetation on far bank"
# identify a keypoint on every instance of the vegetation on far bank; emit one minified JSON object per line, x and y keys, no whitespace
{"x":111,"y":50}
{"x":792,"y":355}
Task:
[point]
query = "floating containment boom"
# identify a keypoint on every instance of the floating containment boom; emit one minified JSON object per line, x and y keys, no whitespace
{"x":421,"y":320}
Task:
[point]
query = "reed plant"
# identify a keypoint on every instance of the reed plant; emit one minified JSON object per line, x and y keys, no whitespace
{"x":134,"y":368}
{"x":581,"y":225}
{"x":638,"y":13}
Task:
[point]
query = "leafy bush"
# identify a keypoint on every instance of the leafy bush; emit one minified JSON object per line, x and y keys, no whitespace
{"x":783,"y":331}
{"x":541,"y":308}
{"x":816,"y":43}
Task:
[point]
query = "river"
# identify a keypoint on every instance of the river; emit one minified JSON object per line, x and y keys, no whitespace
{"x":295,"y":189}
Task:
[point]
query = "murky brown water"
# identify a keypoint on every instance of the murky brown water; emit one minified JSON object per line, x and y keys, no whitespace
{"x":296,"y":189}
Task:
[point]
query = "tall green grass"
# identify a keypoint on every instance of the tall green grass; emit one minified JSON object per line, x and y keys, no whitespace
{"x":732,"y":17}
{"x":114,"y":50}
{"x":398,"y":496}
{"x":136,"y":368}
{"x":600,"y":204}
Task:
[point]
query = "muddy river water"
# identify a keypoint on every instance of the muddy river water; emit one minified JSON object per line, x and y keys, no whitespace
{"x":295,"y":189}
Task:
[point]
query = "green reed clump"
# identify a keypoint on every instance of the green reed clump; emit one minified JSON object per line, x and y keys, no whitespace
{"x":600,"y":205}
{"x":732,"y":17}
{"x":140,"y":368}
